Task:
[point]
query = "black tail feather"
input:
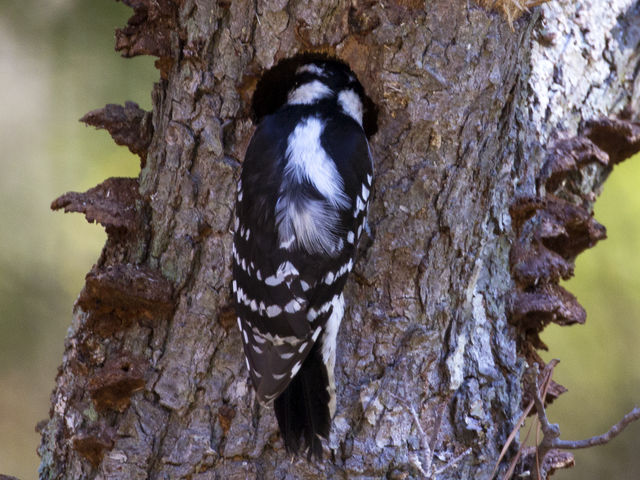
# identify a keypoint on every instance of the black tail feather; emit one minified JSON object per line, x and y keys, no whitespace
{"x":302,"y":409}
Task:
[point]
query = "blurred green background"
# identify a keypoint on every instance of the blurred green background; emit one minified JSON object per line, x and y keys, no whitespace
{"x":56,"y":63}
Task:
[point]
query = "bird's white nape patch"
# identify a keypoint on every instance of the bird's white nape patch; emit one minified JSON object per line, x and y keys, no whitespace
{"x":350,"y":102}
{"x":308,"y":160}
{"x":312,"y":68}
{"x":311,"y":221}
{"x":309,"y":93}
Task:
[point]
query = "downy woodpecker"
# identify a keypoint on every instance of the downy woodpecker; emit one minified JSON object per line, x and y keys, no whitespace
{"x":300,"y":210}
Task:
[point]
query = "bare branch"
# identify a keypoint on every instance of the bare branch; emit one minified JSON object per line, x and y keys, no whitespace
{"x":613,"y":432}
{"x":551,"y":431}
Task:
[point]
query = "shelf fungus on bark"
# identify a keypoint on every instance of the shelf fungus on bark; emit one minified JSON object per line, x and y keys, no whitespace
{"x":568,"y":229}
{"x":113,"y":204}
{"x":553,"y":228}
{"x":150,"y":31}
{"x":620,"y":138}
{"x":532,"y":262}
{"x":128,"y":125}
{"x":551,"y":233}
{"x":567,"y":156}
{"x":533,"y":310}
{"x":115,"y":296}
{"x":554,"y":460}
{"x":112,"y":385}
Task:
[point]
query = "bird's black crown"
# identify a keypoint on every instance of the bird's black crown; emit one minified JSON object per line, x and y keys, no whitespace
{"x":276,"y":83}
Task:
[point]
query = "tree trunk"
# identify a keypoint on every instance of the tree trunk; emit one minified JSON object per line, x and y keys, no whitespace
{"x":441,"y":311}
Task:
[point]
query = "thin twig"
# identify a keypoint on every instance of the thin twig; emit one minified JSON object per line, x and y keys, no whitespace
{"x":613,"y":432}
{"x":547,"y":373}
{"x":545,"y":387}
{"x":453,"y":461}
{"x":434,"y":441}
{"x":511,"y":437}
{"x":429,"y":445}
{"x":424,"y":443}
{"x":514,"y":462}
{"x":423,"y":436}
{"x":551,"y":431}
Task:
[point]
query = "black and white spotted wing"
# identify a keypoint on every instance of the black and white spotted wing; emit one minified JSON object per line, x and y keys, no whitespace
{"x":286,"y":287}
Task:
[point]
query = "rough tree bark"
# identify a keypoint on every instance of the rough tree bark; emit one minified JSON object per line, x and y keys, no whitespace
{"x":442,"y":312}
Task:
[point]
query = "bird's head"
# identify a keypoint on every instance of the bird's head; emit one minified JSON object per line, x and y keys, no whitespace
{"x":320,"y":81}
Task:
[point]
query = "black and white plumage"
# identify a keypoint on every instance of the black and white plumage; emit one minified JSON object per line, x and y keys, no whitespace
{"x":300,"y":210}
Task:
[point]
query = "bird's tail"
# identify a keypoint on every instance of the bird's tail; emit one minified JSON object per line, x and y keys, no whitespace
{"x":303,"y":409}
